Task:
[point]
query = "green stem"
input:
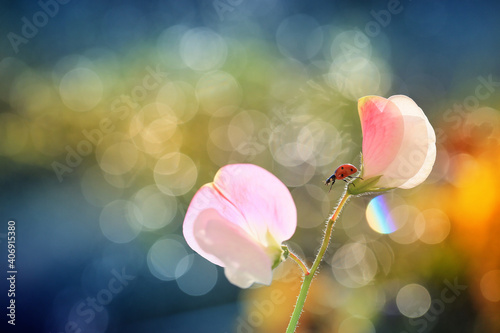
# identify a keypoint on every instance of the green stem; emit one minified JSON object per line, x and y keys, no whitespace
{"x":308,"y":278}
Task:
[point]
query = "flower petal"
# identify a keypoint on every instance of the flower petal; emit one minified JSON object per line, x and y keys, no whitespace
{"x":407,"y":106}
{"x":411,"y":108}
{"x":208,"y":197}
{"x":263,"y":200}
{"x":383,"y":129}
{"x":245,"y":261}
{"x":417,"y":153}
{"x":424,"y":171}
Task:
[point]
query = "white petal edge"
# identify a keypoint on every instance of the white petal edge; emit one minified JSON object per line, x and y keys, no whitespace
{"x":411,"y":155}
{"x":408,"y":106}
{"x":426,"y":168}
{"x":419,"y":137}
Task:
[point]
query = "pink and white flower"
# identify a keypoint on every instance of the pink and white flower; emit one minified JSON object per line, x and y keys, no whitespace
{"x":399,"y":143}
{"x":239,"y":222}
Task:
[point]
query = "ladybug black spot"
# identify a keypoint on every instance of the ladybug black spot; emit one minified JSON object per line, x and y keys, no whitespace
{"x":342,"y":168}
{"x":352,"y":169}
{"x":341,"y":175}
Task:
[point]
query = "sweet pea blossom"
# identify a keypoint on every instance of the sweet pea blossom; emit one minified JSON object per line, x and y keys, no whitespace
{"x":239,"y":222}
{"x":399,"y":144}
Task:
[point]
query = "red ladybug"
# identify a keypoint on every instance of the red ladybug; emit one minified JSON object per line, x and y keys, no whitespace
{"x":344,"y":171}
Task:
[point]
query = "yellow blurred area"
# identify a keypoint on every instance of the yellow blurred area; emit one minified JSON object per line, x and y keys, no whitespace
{"x":160,"y":105}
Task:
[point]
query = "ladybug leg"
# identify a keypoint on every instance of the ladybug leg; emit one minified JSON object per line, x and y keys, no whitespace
{"x":333,"y":182}
{"x":349,"y":182}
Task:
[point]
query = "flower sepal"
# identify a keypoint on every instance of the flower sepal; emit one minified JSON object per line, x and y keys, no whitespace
{"x":282,"y":257}
{"x":363,"y":186}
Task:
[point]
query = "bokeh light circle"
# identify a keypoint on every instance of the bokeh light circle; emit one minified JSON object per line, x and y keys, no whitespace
{"x":181,"y":98}
{"x":291,"y":142}
{"x":81,"y":89}
{"x":386,"y":214}
{"x":156,"y":208}
{"x":248,"y":132}
{"x":117,"y":222}
{"x":164,"y":257}
{"x":432,"y":226}
{"x":352,"y":49}
{"x":297,"y":175}
{"x":118,"y":158}
{"x":490,"y":285}
{"x":152,"y":126}
{"x":406,"y":218}
{"x":175,"y":173}
{"x":354,"y":265}
{"x":202,"y":49}
{"x":326,"y":143}
{"x":354,"y":84}
{"x":201,"y":277}
{"x":413,"y":300}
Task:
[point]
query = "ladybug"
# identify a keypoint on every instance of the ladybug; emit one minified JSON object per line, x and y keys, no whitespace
{"x":344,"y":171}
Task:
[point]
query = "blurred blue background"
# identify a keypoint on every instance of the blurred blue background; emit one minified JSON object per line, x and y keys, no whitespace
{"x":113,"y":114}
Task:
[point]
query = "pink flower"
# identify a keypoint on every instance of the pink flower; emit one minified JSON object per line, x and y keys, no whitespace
{"x":239,"y":222}
{"x":399,"y":143}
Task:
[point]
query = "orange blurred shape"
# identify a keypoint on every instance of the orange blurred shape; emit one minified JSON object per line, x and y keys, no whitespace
{"x":472,"y":202}
{"x":474,"y":197}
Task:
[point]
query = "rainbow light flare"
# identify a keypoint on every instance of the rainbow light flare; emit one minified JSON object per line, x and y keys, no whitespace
{"x":379,"y":217}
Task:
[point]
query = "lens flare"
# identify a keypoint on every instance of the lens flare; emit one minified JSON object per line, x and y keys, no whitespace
{"x":379,"y":217}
